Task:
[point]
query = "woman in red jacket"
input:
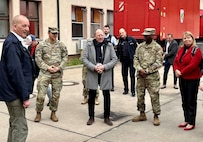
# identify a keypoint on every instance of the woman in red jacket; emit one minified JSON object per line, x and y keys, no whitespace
{"x":186,"y":67}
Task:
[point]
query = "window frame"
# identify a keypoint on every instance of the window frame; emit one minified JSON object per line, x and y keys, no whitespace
{"x":5,"y":21}
{"x":78,"y":18}
{"x":34,"y":21}
{"x":96,"y":20}
{"x":110,"y":20}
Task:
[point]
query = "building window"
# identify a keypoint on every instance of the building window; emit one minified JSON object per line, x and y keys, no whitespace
{"x":110,"y":20}
{"x":4,"y":19}
{"x":31,"y":10}
{"x":78,"y":22}
{"x":96,"y":19}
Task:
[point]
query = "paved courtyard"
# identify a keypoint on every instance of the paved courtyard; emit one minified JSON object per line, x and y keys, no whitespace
{"x":73,"y":116}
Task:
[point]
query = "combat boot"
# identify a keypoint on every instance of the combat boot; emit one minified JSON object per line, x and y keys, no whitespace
{"x":141,"y":117}
{"x":53,"y":116}
{"x":156,"y":121}
{"x":38,"y":117}
{"x":96,"y":101}
{"x":85,"y":100}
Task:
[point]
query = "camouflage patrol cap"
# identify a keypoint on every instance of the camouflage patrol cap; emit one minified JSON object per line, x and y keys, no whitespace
{"x":149,"y":31}
{"x":53,"y":29}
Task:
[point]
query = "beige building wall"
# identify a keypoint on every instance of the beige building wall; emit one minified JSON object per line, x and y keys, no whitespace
{"x":65,"y":23}
{"x":48,"y":17}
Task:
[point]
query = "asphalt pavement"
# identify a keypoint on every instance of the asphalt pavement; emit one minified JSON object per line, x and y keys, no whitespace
{"x":73,"y":116}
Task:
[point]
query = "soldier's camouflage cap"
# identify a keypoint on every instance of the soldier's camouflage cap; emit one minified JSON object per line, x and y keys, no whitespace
{"x":149,"y":31}
{"x":53,"y":29}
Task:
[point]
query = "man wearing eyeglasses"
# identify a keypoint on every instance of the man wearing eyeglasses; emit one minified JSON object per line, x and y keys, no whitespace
{"x":51,"y":57}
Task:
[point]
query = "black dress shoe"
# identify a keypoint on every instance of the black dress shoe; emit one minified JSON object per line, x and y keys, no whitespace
{"x":108,"y":122}
{"x":112,"y":89}
{"x":48,"y":104}
{"x":163,"y":87}
{"x":175,"y":87}
{"x":90,"y":121}
{"x":125,"y":92}
{"x":133,"y":94}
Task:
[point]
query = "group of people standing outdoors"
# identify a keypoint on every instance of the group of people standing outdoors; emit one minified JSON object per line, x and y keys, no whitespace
{"x":144,"y":60}
{"x":21,"y":65}
{"x":100,"y":57}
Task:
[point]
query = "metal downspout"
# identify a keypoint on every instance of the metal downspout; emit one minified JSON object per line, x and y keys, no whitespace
{"x":58,"y":18}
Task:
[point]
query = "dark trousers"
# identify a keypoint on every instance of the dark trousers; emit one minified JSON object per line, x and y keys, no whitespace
{"x":189,"y":90}
{"x":124,"y":69}
{"x":112,"y":78}
{"x":167,"y":66}
{"x":91,"y":103}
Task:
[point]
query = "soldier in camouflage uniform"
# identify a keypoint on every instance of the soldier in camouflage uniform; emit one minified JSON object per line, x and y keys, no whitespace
{"x":51,"y":57}
{"x":148,"y":60}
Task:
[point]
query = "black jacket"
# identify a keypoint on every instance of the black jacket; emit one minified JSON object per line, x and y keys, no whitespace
{"x":172,"y":50}
{"x":131,"y":46}
{"x":36,"y":69}
{"x":16,"y":71}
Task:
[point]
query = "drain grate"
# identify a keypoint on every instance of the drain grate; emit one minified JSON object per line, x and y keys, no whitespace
{"x":69,"y":83}
{"x":113,"y":115}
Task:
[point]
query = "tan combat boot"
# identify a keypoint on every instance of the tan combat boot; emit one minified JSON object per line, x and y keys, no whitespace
{"x":85,"y":100}
{"x":141,"y":117}
{"x":53,"y":116}
{"x":156,"y":121}
{"x":38,"y":117}
{"x":96,"y":101}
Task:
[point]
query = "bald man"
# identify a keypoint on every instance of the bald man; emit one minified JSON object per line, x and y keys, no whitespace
{"x":17,"y":77}
{"x":99,"y":57}
{"x":126,"y":49}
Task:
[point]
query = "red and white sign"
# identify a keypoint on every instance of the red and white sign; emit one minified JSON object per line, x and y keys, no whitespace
{"x":121,"y":6}
{"x":151,"y":4}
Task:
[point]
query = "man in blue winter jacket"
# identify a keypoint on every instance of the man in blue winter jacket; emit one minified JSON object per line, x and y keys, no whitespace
{"x":16,"y":78}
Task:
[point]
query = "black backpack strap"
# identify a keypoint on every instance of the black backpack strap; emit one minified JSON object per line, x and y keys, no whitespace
{"x":194,"y":50}
{"x":201,"y":62}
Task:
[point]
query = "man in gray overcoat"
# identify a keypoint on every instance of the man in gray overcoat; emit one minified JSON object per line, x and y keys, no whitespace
{"x":99,"y":57}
